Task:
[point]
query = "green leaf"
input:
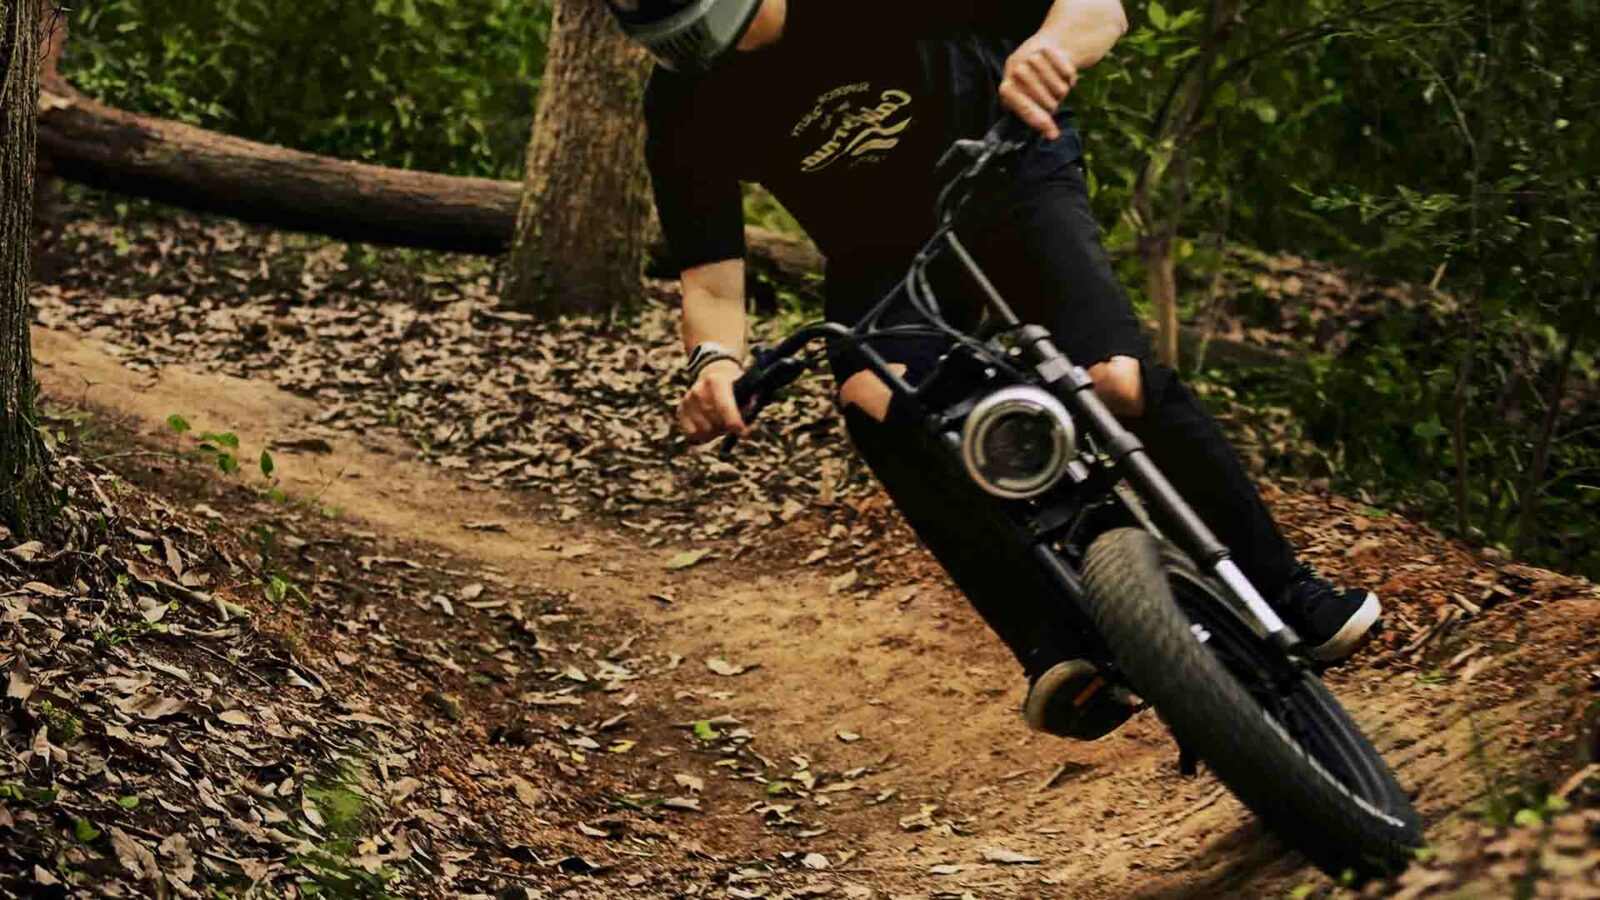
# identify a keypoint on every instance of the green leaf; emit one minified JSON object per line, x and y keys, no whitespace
{"x":1159,"y":17}
{"x":1527,"y":818}
{"x":130,"y":802}
{"x":221,"y":439}
{"x":266,"y":464}
{"x":178,"y":424}
{"x":228,"y":463}
{"x":705,"y":731}
{"x":686,"y":559}
{"x":1430,"y":430}
{"x":85,"y":831}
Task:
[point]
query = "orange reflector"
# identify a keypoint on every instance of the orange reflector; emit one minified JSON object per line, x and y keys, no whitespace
{"x":1088,"y":693}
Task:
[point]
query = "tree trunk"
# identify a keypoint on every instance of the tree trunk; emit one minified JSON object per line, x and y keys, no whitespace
{"x":1461,"y":438}
{"x":582,"y":226}
{"x":1161,"y":280}
{"x":1176,"y":128}
{"x":26,"y":495}
{"x":1540,"y":464}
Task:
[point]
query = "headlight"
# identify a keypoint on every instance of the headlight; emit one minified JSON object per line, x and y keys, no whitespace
{"x":1018,"y":442}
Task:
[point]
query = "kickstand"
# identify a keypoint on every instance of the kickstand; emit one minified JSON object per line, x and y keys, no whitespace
{"x":1188,"y":763}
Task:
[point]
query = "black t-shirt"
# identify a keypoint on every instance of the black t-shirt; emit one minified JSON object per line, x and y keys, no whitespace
{"x":843,"y":120}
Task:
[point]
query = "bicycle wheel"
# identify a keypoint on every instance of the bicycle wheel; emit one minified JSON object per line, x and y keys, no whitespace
{"x":1283,"y":745}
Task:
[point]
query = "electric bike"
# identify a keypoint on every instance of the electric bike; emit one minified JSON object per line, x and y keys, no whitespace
{"x":1168,"y":619}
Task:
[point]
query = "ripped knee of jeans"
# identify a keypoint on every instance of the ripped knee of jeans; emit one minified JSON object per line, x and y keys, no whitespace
{"x":1122,"y":384}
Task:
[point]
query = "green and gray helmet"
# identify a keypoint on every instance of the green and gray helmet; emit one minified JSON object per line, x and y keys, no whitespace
{"x":686,"y":35}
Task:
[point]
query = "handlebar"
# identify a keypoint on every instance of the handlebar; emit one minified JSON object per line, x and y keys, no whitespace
{"x":775,"y":369}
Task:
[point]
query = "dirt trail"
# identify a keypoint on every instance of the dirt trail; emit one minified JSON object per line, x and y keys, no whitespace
{"x":906,"y":683}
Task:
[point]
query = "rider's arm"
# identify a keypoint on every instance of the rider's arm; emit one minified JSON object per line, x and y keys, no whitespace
{"x":1076,"y":34}
{"x":1086,"y":29}
{"x":713,"y":310}
{"x":702,"y":217}
{"x":713,"y":305}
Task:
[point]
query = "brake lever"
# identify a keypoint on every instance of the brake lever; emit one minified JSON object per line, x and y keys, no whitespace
{"x":746,"y":394}
{"x":743,"y":397}
{"x":753,"y":392}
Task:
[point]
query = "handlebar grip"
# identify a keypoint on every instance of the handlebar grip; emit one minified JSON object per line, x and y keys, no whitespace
{"x":1010,"y":130}
{"x":744,"y":390}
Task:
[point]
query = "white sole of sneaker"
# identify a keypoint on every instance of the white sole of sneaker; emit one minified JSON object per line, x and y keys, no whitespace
{"x":1341,"y":645}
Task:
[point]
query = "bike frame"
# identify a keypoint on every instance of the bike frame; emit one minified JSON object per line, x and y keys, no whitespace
{"x":1034,"y":359}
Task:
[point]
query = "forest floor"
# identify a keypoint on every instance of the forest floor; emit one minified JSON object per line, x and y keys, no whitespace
{"x":478,"y":632}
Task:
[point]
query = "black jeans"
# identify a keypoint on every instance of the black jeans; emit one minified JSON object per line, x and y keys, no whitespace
{"x":1041,"y":246}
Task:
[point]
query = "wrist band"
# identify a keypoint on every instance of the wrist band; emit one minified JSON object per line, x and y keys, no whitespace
{"x":704,"y":355}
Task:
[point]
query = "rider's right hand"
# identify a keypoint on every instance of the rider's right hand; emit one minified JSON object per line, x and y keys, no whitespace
{"x":709,"y":410}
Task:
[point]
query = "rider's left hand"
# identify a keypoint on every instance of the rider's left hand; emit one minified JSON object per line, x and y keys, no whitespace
{"x":1038,"y":78}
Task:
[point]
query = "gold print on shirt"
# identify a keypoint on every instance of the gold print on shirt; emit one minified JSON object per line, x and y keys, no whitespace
{"x":856,"y":126}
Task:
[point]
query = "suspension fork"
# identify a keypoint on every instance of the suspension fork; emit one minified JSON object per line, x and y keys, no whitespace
{"x":1073,"y":386}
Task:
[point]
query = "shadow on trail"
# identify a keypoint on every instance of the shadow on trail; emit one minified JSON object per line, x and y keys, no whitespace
{"x":1249,"y":857}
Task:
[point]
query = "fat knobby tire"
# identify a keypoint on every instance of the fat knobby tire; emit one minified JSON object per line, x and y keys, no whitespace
{"x":1212,"y":714}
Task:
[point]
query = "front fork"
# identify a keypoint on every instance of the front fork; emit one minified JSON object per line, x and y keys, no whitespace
{"x":1073,"y":386}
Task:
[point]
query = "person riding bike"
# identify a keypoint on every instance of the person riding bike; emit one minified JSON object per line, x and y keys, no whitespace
{"x":842,"y":111}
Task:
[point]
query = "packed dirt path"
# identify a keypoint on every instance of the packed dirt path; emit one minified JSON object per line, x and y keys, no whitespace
{"x":939,"y":789}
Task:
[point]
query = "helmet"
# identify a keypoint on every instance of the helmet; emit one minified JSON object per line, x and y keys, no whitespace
{"x":686,"y":35}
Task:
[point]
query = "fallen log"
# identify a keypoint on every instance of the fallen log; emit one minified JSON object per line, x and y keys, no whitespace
{"x":191,"y":167}
{"x":88,"y":142}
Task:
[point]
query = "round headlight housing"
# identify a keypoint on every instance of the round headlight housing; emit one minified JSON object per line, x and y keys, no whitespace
{"x":1018,"y":442}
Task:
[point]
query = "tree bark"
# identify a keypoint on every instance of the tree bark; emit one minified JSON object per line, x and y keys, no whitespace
{"x":26,"y":494}
{"x":1161,"y":280}
{"x":581,"y":229}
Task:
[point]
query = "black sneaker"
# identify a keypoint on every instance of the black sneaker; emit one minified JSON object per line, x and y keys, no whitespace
{"x":1072,"y":699}
{"x":1334,"y":623}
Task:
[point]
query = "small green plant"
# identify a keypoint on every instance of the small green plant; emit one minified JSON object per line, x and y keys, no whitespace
{"x":121,"y":634}
{"x":64,"y":727}
{"x":222,"y":447}
{"x":31,"y":796}
{"x":334,"y":792}
{"x":277,"y":589}
{"x":332,"y":875}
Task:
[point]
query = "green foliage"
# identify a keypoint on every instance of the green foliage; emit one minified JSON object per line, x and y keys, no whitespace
{"x":443,"y":85}
{"x":1379,"y":419}
{"x":330,"y":869}
{"x":1440,"y":141}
